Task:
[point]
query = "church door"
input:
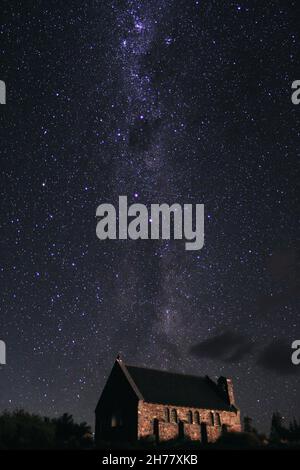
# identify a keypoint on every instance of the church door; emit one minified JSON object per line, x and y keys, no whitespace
{"x":204,"y":439}
{"x":156,"y":430}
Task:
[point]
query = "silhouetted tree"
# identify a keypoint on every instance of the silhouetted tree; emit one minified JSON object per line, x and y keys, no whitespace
{"x":250,"y":429}
{"x":69,"y":434}
{"x":278,"y":432}
{"x":294,"y":431}
{"x":22,"y":430}
{"x":248,"y":424}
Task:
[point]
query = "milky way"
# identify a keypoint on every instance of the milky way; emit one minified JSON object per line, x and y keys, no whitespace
{"x":162,"y":101}
{"x":145,"y":172}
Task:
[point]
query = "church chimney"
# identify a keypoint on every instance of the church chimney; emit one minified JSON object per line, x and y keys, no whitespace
{"x":226,"y":387}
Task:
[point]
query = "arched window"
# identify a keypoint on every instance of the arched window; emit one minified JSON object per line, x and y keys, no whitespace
{"x":190,"y":417}
{"x":218,"y":420}
{"x":224,"y":429}
{"x":167,"y":415}
{"x":197,"y":417}
{"x":156,"y":429}
{"x":174,"y":416}
{"x":211,"y":419}
{"x":116,"y":419}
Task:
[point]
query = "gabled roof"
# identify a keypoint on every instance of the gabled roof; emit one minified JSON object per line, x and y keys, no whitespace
{"x":157,"y":386}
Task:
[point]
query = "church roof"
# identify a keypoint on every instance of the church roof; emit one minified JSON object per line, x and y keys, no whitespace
{"x":157,"y":386}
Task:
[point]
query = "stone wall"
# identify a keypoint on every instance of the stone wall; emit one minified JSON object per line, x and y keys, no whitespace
{"x":149,"y":412}
{"x":192,"y":432}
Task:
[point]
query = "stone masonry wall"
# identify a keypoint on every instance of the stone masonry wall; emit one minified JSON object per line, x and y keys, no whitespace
{"x":148,"y":412}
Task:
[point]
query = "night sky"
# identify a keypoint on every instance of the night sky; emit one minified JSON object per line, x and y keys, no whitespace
{"x":163,"y":101}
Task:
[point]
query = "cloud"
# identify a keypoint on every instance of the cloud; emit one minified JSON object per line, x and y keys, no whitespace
{"x":276,"y":357}
{"x":231,"y":347}
{"x":228,"y":346}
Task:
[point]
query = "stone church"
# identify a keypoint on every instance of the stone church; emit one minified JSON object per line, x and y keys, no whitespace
{"x":139,"y":403}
